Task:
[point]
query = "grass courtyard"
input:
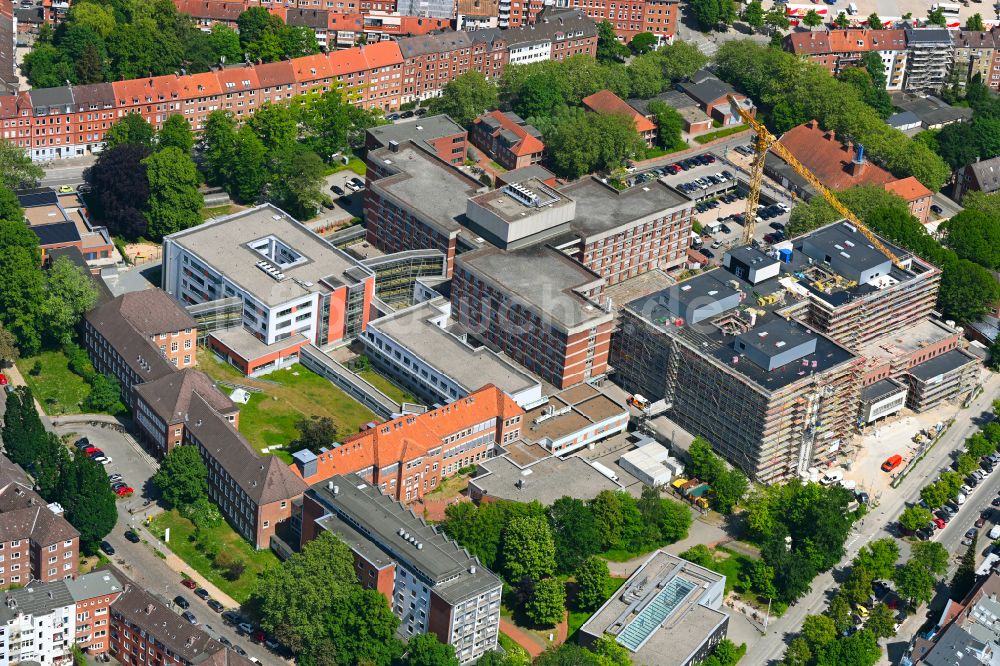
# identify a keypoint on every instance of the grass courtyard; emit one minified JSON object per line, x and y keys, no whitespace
{"x":286,"y":396}
{"x":200,"y":552}
{"x":55,"y":387}
{"x":386,"y":386}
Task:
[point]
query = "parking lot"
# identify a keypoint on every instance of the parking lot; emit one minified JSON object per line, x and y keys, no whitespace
{"x":127,"y":458}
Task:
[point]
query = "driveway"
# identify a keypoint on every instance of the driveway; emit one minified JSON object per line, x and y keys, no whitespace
{"x":127,"y":458}
{"x":347,"y":205}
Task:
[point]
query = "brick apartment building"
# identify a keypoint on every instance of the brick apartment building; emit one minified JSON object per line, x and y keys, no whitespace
{"x":431,"y":584}
{"x":139,"y":337}
{"x":538,"y":306}
{"x":255,"y":493}
{"x":145,"y":631}
{"x":837,"y":50}
{"x":411,"y":455}
{"x":37,"y":541}
{"x":634,"y":16}
{"x":440,"y":135}
{"x":917,"y":197}
{"x":161,"y":407}
{"x":94,"y":593}
{"x":508,"y":139}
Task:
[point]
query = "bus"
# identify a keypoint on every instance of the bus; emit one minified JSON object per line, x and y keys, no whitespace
{"x":947,"y":9}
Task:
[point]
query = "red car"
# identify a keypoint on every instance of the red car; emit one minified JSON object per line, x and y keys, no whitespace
{"x":3,"y":379}
{"x":189,"y":583}
{"x":938,"y":523}
{"x":92,"y":449}
{"x":124,"y":492}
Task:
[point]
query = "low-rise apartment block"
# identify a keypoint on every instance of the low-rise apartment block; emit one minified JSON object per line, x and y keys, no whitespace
{"x":37,"y":541}
{"x":668,"y":613}
{"x":410,"y":456}
{"x":837,"y":50}
{"x":508,"y":139}
{"x":929,"y":59}
{"x":432,"y":584}
{"x":633,"y":17}
{"x":981,"y":176}
{"x":295,"y":287}
{"x":421,"y":349}
{"x":541,"y":308}
{"x":140,"y":337}
{"x":976,"y":55}
{"x":61,"y":221}
{"x":94,"y":593}
{"x":145,"y":631}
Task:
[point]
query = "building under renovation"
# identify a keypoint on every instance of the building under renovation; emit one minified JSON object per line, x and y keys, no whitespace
{"x":760,"y":357}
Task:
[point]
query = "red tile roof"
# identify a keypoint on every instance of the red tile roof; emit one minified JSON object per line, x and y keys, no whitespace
{"x":605,"y":101}
{"x":148,"y":89}
{"x":528,"y":144}
{"x":846,"y":41}
{"x":200,"y":85}
{"x":830,"y":160}
{"x":276,"y":74}
{"x":237,"y":75}
{"x":382,"y":54}
{"x":216,"y":10}
{"x":345,"y":21}
{"x":909,"y":188}
{"x":312,"y":68}
{"x":410,"y":437}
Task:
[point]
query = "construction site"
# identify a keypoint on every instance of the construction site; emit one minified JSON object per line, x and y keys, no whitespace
{"x":763,"y":356}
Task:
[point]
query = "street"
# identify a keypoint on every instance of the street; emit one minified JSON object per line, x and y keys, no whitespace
{"x":771,"y":647}
{"x":66,"y":172}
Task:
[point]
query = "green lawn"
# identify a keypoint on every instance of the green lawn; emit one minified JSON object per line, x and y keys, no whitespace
{"x":385,"y":385}
{"x":712,"y":136}
{"x":499,"y":167}
{"x":55,"y":387}
{"x":217,"y":211}
{"x":356,"y":165}
{"x":218,"y":539}
{"x":270,"y":416}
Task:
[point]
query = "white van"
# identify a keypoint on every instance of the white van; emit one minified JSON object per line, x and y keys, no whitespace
{"x":831,"y":477}
{"x":960,"y":500}
{"x":852,"y":9}
{"x":995,"y":532}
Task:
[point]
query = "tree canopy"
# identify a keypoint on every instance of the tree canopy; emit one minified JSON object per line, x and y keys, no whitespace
{"x":465,"y":98}
{"x":182,"y":477}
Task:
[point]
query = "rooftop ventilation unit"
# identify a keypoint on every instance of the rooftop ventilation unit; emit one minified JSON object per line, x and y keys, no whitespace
{"x":521,"y":193}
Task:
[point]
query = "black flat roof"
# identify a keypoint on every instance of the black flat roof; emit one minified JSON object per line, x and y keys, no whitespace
{"x":883,"y":388}
{"x":939,"y":365}
{"x":59,"y":233}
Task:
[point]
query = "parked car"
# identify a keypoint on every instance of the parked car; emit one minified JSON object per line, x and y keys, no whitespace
{"x":108,"y":549}
{"x":352,"y":187}
{"x":936,"y":209}
{"x":406,"y":114}
{"x":189,"y":583}
{"x":132,"y":536}
{"x":202,"y":593}
{"x":124,"y":491}
{"x":245,"y":628}
{"x":231,"y":617}
{"x":189,"y":616}
{"x":891,"y":463}
{"x":182,"y":603}
{"x":969,"y":536}
{"x":924,"y":533}
{"x":943,"y":515}
{"x":981,"y":520}
{"x":215,"y":605}
{"x":420,"y":112}
{"x":939,"y":523}
{"x":337,"y":189}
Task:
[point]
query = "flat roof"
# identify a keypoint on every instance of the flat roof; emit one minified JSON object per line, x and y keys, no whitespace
{"x":883,"y":388}
{"x":56,"y":233}
{"x":544,"y":481}
{"x":250,"y":347}
{"x":686,"y":622}
{"x":222,"y":243}
{"x":423,"y":129}
{"x":600,"y":208}
{"x":426,"y":185}
{"x":542,"y":277}
{"x":849,"y":244}
{"x":443,"y":563}
{"x":582,"y":405}
{"x":510,"y":209}
{"x":46,"y":214}
{"x":940,"y":365}
{"x":471,"y":367}
{"x":907,"y":340}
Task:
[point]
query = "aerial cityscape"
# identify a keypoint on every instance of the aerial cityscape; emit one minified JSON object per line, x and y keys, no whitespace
{"x":499,"y":333}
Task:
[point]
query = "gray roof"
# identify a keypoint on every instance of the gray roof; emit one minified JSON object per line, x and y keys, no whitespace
{"x":434,"y":42}
{"x":23,"y":512}
{"x":834,"y":238}
{"x":880,"y":389}
{"x":706,"y":88}
{"x":222,"y":243}
{"x":986,"y":174}
{"x":431,"y":8}
{"x":434,"y":191}
{"x":672,"y":98}
{"x":552,"y":24}
{"x":542,"y":277}
{"x":141,"y":609}
{"x":313,"y":18}
{"x":955,"y":647}
{"x":470,"y":367}
{"x":94,"y":584}
{"x":151,"y":312}
{"x":45,"y":98}
{"x":931,"y":110}
{"x":135,"y":349}
{"x":940,"y":365}
{"x":602,"y":209}
{"x":902,"y":119}
{"x":526,"y":173}
{"x":551,"y":478}
{"x":424,"y":130}
{"x":264,"y":479}
{"x":927,"y":36}
{"x":170,"y":396}
{"x":101,"y":95}
{"x":36,"y":599}
{"x":446,"y":566}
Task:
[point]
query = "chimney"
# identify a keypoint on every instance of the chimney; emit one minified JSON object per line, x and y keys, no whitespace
{"x":858,"y":163}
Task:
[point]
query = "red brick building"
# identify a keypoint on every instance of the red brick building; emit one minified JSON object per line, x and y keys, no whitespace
{"x":838,"y":49}
{"x":605,"y":101}
{"x":917,"y":197}
{"x":410,"y":456}
{"x":38,"y":543}
{"x":94,"y":593}
{"x":508,"y":139}
{"x":634,"y":16}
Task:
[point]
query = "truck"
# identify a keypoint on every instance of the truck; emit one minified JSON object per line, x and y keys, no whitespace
{"x":606,"y":471}
{"x":638,"y":401}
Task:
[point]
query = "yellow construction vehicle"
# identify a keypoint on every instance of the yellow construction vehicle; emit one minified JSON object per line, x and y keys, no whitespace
{"x":766,"y":141}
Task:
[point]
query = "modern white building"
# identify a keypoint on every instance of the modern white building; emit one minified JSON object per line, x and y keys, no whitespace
{"x":424,"y":352}
{"x":573,"y":418}
{"x":37,"y":624}
{"x":651,"y":463}
{"x":295,"y":287}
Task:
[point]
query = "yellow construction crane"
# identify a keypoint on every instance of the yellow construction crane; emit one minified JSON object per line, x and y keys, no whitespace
{"x":766,"y":141}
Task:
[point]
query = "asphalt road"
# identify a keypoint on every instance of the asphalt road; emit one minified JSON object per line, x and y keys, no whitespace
{"x":771,"y":647}
{"x":66,"y":172}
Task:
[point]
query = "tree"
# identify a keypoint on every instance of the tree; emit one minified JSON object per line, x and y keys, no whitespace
{"x":89,"y":501}
{"x":975,"y":23}
{"x":175,"y":202}
{"x":224,"y":42}
{"x":937,"y":17}
{"x":798,"y":653}
{"x":965,"y":464}
{"x":974,"y":236}
{"x":711,"y":13}
{"x":669,"y":125}
{"x":753,"y":14}
{"x":465,"y":98}
{"x":548,"y":603}
{"x":132,"y":129}
{"x":915,"y":583}
{"x":22,"y":288}
{"x":728,"y":489}
{"x":247,"y":169}
{"x":315,"y":433}
{"x":105,"y":395}
{"x":812,"y":19}
{"x":528,"y":549}
{"x":119,"y":190}
{"x":915,"y":517}
{"x":931,"y":555}
{"x":358,"y":628}
{"x":881,"y":621}
{"x":681,"y":60}
{"x":70,"y":292}
{"x":965,"y":575}
{"x":878,"y":557}
{"x":609,"y":49}
{"x":182,"y":477}
{"x":297,"y":182}
{"x":610,"y":653}
{"x":427,"y":650}
{"x":646,"y":76}
{"x":644,"y":42}
{"x":593,"y":142}
{"x":840,"y":612}
{"x":23,"y":432}
{"x":776,"y":20}
{"x":842,"y":21}
{"x":701,"y":555}
{"x":819,"y":631}
{"x":704,"y":465}
{"x":176,"y":132}
{"x":219,"y":137}
{"x":860,"y":649}
{"x":327,"y":120}
{"x":966,"y":290}
{"x":979,"y":446}
{"x":592,"y":582}
{"x":873,"y":95}
{"x":935,"y":495}
{"x":8,"y":347}
{"x":874,"y":21}
{"x":575,"y":533}
{"x":44,"y":66}
{"x":17,"y":171}
{"x":275,"y":124}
